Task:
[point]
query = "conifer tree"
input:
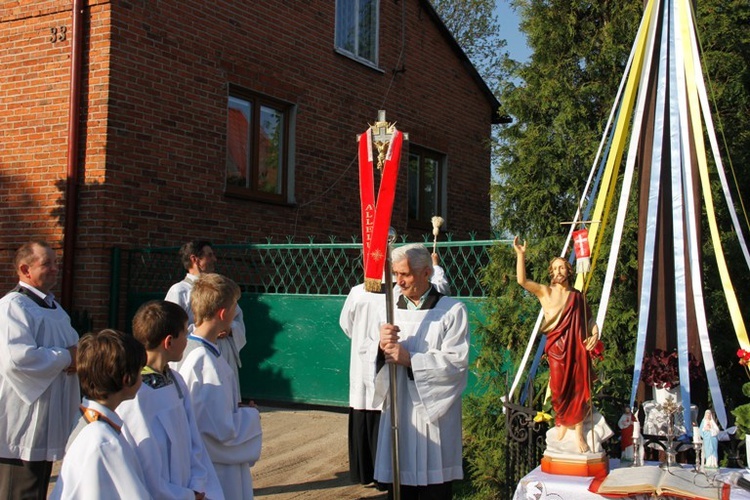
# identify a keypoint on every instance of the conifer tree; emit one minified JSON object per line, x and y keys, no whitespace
{"x":560,"y":100}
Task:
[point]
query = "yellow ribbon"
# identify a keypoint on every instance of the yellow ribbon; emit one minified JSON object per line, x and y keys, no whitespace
{"x":700,"y":149}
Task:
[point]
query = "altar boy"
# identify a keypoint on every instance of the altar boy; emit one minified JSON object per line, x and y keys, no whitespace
{"x":99,"y":461}
{"x":231,"y":430}
{"x":159,"y":422}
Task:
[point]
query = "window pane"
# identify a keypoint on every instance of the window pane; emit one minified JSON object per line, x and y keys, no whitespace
{"x":270,"y":148}
{"x":238,"y":142}
{"x":345,"y":24}
{"x":429,"y":186}
{"x":413,"y":186}
{"x":367,"y":29}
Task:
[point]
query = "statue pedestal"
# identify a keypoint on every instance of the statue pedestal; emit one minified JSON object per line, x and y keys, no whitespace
{"x":583,"y":465}
{"x":562,"y":456}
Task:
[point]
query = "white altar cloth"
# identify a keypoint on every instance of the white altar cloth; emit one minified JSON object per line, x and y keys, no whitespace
{"x":538,"y":485}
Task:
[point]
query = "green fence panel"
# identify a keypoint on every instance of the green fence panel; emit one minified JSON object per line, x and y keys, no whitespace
{"x":305,"y":360}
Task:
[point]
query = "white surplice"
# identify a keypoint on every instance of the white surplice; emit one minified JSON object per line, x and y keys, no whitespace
{"x":429,"y":406}
{"x":39,"y":401}
{"x":99,"y":462}
{"x":230,"y":347}
{"x":360,"y":319}
{"x":161,"y":426}
{"x":232,"y":435}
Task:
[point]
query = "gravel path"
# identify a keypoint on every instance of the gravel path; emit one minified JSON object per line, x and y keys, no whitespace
{"x":305,"y":456}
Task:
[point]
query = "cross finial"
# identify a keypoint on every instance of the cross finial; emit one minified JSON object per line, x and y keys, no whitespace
{"x":382,"y":132}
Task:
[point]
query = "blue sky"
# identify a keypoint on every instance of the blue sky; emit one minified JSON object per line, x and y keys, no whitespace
{"x":509,"y":30}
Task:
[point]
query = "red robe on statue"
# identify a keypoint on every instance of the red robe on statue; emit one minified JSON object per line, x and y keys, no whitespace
{"x":569,"y":362}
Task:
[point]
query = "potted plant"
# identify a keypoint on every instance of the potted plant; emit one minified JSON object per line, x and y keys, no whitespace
{"x":661,"y":371}
{"x":741,"y":413}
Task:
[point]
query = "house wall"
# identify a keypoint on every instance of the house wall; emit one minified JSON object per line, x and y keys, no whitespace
{"x":156,"y":77}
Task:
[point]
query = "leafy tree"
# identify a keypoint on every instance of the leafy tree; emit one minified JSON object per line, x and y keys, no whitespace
{"x":477,"y":30}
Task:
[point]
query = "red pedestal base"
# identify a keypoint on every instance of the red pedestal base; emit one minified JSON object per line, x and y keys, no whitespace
{"x":585,"y":467}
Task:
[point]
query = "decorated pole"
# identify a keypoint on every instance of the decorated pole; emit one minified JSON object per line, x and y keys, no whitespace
{"x":376,"y":216}
{"x":583,"y":266}
{"x":377,"y":237}
{"x":392,"y":375}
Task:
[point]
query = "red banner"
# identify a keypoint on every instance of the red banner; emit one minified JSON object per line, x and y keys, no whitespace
{"x":581,"y":243}
{"x":376,"y":214}
{"x":583,"y":252}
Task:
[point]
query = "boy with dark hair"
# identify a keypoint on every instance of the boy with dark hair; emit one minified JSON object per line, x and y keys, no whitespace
{"x":159,"y":422}
{"x":99,"y":461}
{"x":231,"y":430}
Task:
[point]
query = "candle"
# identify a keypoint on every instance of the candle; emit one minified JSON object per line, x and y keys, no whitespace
{"x":696,"y":435}
{"x":636,"y":429}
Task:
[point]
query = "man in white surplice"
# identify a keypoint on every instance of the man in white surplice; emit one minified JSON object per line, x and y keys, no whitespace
{"x":361,"y":317}
{"x":429,"y":343}
{"x":38,"y":383}
{"x":198,"y":257}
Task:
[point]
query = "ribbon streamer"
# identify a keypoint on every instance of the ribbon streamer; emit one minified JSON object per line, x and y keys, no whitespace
{"x":688,"y":91}
{"x":614,"y":112}
{"x":651,"y":217}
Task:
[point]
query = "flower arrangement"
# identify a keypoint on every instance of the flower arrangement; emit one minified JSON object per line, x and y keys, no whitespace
{"x":660,"y":369}
{"x":741,"y":413}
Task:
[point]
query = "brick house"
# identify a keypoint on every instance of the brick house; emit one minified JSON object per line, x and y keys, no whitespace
{"x":233,"y":121}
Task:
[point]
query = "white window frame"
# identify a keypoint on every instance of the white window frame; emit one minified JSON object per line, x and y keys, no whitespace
{"x":356,"y":54}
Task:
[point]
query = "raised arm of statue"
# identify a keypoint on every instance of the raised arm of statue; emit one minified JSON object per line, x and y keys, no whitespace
{"x":526,"y":283}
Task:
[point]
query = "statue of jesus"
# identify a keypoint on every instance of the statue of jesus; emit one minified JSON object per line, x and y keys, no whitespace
{"x":571,"y":333}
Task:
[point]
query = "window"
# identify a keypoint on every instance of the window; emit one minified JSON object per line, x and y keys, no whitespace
{"x":258,"y":146}
{"x":357,"y":29}
{"x":425,"y":186}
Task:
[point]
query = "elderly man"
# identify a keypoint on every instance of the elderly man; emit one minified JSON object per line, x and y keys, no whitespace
{"x":429,"y":343}
{"x":360,"y":317}
{"x":38,"y":386}
{"x":198,"y":257}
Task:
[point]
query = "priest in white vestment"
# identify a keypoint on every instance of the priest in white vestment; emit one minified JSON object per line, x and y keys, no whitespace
{"x":361,"y":316}
{"x":429,"y":343}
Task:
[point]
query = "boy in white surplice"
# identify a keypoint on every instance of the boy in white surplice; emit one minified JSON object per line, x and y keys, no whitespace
{"x":230,"y":428}
{"x":99,"y":462}
{"x":160,"y":422}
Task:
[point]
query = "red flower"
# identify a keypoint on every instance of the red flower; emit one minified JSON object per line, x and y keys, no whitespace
{"x":744,"y":357}
{"x":598,"y":351}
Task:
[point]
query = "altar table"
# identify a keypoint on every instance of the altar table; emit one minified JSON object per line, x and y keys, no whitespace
{"x":538,"y":485}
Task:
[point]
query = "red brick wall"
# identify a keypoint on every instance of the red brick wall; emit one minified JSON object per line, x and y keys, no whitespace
{"x":155,"y":92}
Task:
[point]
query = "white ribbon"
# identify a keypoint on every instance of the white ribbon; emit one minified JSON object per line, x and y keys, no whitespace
{"x":627,"y":181}
{"x":688,"y":59}
{"x":677,"y":163}
{"x":698,"y":75}
{"x":653,"y":206}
